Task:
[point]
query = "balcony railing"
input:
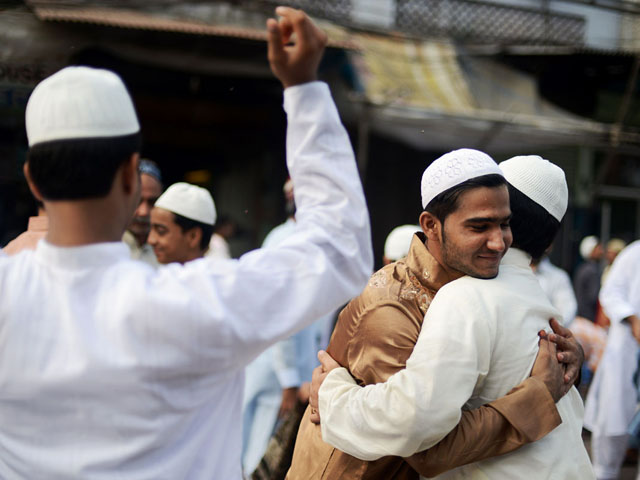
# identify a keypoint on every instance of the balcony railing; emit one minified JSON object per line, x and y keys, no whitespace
{"x":464,"y":20}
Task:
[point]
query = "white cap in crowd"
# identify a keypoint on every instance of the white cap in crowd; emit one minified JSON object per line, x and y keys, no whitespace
{"x":540,"y":180}
{"x":587,"y":245}
{"x":454,"y":168}
{"x":79,"y":102}
{"x":190,"y":201}
{"x":398,"y":242}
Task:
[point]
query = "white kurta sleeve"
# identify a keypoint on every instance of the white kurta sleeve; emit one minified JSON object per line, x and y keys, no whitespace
{"x":231,"y":310}
{"x":417,"y":406}
{"x":564,"y":299}
{"x":615,"y":295}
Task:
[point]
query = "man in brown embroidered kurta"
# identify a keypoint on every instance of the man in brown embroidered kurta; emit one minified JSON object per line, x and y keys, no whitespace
{"x":374,"y":336}
{"x":36,"y":230}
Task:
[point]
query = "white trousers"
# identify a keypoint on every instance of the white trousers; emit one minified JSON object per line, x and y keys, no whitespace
{"x":262,"y":397}
{"x":607,"y":455}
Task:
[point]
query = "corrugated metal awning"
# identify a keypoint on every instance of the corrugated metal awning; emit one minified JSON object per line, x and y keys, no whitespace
{"x":219,"y":20}
{"x":428,"y":94}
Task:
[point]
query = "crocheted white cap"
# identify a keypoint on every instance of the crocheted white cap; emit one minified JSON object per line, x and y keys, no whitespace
{"x":190,"y":201}
{"x":587,"y":245}
{"x":454,"y":168}
{"x":79,"y":102}
{"x":540,"y":180}
{"x":398,"y":241}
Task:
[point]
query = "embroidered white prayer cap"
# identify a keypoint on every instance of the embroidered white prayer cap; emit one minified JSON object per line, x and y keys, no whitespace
{"x":190,"y":201}
{"x":587,"y":245}
{"x":540,"y":180}
{"x":79,"y":102}
{"x":398,"y":241}
{"x":454,"y":168}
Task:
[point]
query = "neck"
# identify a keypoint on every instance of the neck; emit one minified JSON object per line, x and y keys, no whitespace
{"x":193,"y":256}
{"x":75,"y":223}
{"x":436,"y":253}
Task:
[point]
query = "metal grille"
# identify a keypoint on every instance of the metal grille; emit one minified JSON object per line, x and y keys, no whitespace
{"x":338,"y":11}
{"x":488,"y":22}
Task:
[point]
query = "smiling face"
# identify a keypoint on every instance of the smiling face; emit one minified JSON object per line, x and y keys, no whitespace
{"x":170,"y":243}
{"x":476,"y":235}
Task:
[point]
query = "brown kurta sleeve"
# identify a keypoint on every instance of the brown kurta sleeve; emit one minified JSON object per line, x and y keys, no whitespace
{"x":382,"y":343}
{"x":526,"y":414}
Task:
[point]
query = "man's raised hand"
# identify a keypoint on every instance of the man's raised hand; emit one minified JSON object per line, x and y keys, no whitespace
{"x":295,"y":47}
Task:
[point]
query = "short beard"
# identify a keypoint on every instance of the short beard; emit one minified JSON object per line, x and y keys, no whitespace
{"x":451,"y":259}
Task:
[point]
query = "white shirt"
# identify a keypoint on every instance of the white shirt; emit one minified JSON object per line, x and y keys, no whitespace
{"x":557,"y":285}
{"x":478,"y":340}
{"x":111,"y":369}
{"x":279,"y":233}
{"x":612,"y":398}
{"x":143,"y":253}
{"x":218,"y":247}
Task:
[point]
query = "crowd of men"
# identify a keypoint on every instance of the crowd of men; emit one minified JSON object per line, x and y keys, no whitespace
{"x":125,"y":335}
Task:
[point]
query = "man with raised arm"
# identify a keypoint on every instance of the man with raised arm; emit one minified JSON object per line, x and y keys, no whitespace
{"x":111,"y":369}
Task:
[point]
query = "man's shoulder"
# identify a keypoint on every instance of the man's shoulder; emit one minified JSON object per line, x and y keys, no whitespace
{"x":392,"y":285}
{"x":463,"y":285}
{"x":631,"y":251}
{"x":390,"y":304}
{"x":470,"y":293}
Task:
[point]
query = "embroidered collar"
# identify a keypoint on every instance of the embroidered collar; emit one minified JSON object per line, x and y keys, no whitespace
{"x":421,"y":263}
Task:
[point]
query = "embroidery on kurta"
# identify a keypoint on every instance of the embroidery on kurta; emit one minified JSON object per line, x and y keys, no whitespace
{"x":378,"y":279}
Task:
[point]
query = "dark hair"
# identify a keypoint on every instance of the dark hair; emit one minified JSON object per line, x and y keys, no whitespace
{"x":187,"y":224}
{"x":82,"y":168}
{"x":446,"y":202}
{"x":532,"y":226}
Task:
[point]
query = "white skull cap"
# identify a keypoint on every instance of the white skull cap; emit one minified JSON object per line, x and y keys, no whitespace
{"x":398,"y":241}
{"x":454,"y":168}
{"x":79,"y":102}
{"x":587,"y":245}
{"x":540,"y":180}
{"x":190,"y":201}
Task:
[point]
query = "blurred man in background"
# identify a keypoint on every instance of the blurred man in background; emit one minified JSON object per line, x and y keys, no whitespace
{"x":556,"y":283}
{"x":612,"y":399}
{"x":182,"y":223}
{"x":586,"y":280}
{"x":36,"y":230}
{"x":139,"y":227}
{"x":398,"y":242}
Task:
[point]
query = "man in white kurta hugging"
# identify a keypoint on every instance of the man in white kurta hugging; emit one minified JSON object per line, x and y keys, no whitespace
{"x":478,"y":340}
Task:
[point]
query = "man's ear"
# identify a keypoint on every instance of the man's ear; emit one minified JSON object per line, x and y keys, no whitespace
{"x":130,"y":173}
{"x":32,"y":186}
{"x":431,"y":226}
{"x":193,"y":237}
